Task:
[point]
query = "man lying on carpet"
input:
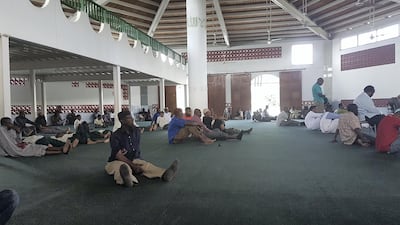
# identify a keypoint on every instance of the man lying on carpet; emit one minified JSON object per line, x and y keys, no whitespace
{"x":125,"y":162}
{"x":85,"y":136}
{"x":12,"y":145}
{"x":180,"y":129}
{"x":349,"y":128}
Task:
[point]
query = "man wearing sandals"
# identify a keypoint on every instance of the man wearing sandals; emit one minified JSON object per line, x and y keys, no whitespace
{"x":125,"y":162}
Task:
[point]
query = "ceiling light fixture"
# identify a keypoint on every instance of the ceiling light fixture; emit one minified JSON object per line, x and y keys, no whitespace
{"x":268,"y":5}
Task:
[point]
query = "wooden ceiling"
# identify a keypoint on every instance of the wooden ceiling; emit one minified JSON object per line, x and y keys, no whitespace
{"x":248,"y":21}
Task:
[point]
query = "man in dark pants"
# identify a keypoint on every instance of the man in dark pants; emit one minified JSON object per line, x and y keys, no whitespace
{"x":125,"y":161}
{"x":366,"y":107}
{"x":9,"y":200}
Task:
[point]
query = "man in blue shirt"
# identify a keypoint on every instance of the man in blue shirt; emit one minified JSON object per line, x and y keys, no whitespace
{"x":318,"y":96}
{"x":180,"y":129}
{"x":125,"y":161}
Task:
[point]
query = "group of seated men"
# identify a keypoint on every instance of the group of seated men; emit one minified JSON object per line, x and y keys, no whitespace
{"x":208,"y":130}
{"x":361,"y":123}
{"x":160,"y":120}
{"x":24,"y":137}
{"x":124,"y":162}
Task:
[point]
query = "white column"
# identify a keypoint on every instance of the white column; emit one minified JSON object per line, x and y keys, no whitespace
{"x":5,"y":91}
{"x":196,"y":21}
{"x":135,"y":96}
{"x":33,"y":89}
{"x":44,"y":101}
{"x":101,"y":98}
{"x":117,"y":95}
{"x":162,"y":94}
{"x":186,"y":90}
{"x":129,"y":98}
{"x":228,"y":89}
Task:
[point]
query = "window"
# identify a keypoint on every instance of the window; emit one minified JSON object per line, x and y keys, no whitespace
{"x":366,"y":38}
{"x":348,"y":42}
{"x":302,"y":54}
{"x":387,"y":32}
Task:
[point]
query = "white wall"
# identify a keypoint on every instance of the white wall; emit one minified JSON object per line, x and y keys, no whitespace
{"x":385,"y":78}
{"x":310,"y":73}
{"x":62,"y":93}
{"x":152,"y":95}
{"x":49,"y":26}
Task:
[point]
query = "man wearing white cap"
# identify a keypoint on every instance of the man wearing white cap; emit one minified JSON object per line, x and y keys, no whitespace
{"x":207,"y":118}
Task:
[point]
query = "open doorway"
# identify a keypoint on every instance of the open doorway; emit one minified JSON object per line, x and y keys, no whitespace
{"x":265,"y":90}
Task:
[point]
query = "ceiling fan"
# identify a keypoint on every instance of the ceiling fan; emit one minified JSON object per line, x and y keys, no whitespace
{"x":269,"y":23}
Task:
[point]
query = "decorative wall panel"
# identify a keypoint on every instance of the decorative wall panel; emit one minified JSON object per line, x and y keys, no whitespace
{"x":370,"y":57}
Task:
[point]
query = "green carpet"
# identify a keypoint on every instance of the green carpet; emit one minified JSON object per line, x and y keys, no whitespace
{"x":274,"y":175}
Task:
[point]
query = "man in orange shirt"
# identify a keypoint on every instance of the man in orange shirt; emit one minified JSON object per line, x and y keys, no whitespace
{"x":188,"y":114}
{"x":387,"y":135}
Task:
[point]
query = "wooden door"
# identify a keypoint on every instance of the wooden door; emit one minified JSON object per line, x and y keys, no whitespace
{"x":170,"y":98}
{"x":290,"y":89}
{"x":241,"y":93}
{"x":216,"y":93}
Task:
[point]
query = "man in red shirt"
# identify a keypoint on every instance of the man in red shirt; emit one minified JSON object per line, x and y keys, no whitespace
{"x":387,"y":135}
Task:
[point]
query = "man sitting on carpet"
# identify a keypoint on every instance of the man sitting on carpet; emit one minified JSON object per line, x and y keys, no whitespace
{"x":161,"y":122}
{"x":366,"y":107}
{"x":349,"y":128}
{"x":41,"y":126}
{"x":99,"y":122}
{"x":77,"y":121}
{"x":219,"y":124}
{"x":283,"y":119}
{"x":329,"y":121}
{"x":180,"y":129}
{"x":125,"y":161}
{"x":26,"y":126}
{"x":207,"y":118}
{"x":387,"y":135}
{"x":188,"y":114}
{"x":313,"y":119}
{"x":214,"y":134}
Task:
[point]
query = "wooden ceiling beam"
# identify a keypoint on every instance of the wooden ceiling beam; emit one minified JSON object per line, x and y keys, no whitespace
{"x":311,"y":25}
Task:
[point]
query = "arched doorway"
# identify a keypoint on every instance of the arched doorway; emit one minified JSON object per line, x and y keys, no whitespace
{"x":265,"y":90}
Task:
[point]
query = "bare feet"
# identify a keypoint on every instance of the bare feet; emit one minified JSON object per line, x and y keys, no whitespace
{"x":363,"y":144}
{"x":210,"y":141}
{"x":67,"y":147}
{"x":107,"y":140}
{"x":75,"y":143}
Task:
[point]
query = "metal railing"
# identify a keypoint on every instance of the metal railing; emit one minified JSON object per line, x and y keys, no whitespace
{"x":102,"y":15}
